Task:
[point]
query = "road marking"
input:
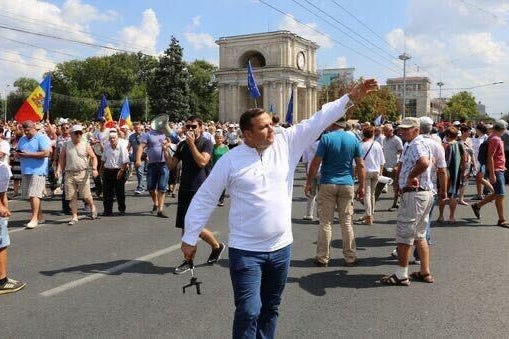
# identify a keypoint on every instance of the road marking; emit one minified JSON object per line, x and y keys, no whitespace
{"x":80,"y":217}
{"x":113,"y":270}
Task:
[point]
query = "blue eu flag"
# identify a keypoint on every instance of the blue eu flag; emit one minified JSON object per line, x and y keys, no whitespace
{"x":251,"y":83}
{"x":289,"y":111}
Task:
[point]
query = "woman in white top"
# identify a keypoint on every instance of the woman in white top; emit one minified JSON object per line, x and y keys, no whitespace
{"x":374,"y":161}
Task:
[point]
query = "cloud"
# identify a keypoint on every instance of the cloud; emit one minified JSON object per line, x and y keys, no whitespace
{"x":75,"y":11}
{"x":341,"y":62}
{"x":144,"y":36}
{"x":308,"y":32}
{"x":200,"y":40}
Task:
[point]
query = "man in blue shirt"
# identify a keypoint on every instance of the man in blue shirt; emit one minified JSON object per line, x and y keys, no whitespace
{"x":33,"y":151}
{"x":336,"y":152}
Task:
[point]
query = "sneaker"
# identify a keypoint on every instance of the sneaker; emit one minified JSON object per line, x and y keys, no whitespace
{"x":31,"y":225}
{"x":394,"y":253}
{"x":183,"y":268}
{"x":138,"y":191}
{"x":154,"y":209}
{"x":216,"y":254}
{"x":477,"y":211}
{"x":220,"y":204}
{"x":72,"y":222}
{"x":93,"y":215}
{"x":11,"y":285}
{"x":416,"y":261}
{"x":308,"y":217}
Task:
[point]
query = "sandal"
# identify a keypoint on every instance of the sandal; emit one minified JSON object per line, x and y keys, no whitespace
{"x":503,"y":223}
{"x":72,"y":222}
{"x":393,"y":280}
{"x":427,"y":278}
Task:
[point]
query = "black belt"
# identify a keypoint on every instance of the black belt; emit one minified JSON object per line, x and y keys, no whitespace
{"x":413,"y":189}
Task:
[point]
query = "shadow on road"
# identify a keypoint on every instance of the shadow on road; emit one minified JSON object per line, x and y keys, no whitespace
{"x":132,"y":266}
{"x":317,"y":283}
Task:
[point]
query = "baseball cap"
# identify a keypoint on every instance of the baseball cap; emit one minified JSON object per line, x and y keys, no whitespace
{"x":456,"y":123}
{"x":410,"y":122}
{"x":500,"y":124}
{"x":76,"y":128}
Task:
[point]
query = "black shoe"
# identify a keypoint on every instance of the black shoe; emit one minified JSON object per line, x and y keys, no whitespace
{"x":154,"y":209}
{"x":162,"y":215}
{"x":121,"y":213}
{"x":320,"y":264}
{"x":106,"y":214}
{"x":477,"y":211}
{"x":216,"y":254}
{"x":183,"y":268}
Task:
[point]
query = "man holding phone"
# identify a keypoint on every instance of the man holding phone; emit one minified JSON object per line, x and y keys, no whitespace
{"x":195,"y":153}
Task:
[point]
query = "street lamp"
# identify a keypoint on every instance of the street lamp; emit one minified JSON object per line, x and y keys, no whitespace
{"x":440,"y":84}
{"x":404,"y":57}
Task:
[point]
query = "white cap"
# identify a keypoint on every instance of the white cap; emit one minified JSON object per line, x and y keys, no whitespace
{"x":76,"y":128}
{"x":426,"y":121}
{"x":456,"y":123}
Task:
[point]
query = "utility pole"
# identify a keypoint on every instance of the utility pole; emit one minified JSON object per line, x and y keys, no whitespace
{"x":404,"y":57}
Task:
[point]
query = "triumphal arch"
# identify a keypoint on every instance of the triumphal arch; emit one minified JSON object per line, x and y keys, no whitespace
{"x":281,"y":61}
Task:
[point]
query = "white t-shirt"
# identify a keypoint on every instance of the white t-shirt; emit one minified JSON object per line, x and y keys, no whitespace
{"x":375,"y":158}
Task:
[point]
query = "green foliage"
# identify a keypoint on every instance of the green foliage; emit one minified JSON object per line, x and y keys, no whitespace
{"x":79,"y":85}
{"x":203,"y":90}
{"x":169,"y":91}
{"x":461,"y":106}
{"x":381,"y":102}
{"x":25,"y":86}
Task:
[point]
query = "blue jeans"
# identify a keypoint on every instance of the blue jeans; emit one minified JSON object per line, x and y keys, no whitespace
{"x":258,"y":280}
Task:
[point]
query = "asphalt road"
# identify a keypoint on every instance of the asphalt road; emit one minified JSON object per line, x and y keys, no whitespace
{"x":112,"y":277}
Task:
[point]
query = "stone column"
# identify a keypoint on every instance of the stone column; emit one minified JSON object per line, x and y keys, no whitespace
{"x":295,"y":102}
{"x":266,"y":96}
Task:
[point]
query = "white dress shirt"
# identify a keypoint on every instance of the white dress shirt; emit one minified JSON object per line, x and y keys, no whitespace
{"x":115,"y":157}
{"x":260,"y":187}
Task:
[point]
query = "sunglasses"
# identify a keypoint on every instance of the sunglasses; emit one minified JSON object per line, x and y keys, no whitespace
{"x":191,"y":126}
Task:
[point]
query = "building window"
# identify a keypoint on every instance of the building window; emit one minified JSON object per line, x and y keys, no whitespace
{"x":411,"y":108}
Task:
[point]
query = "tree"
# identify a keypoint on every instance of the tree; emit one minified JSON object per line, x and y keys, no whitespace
{"x":204,"y":100}
{"x":382,"y":102}
{"x":25,"y":86}
{"x":169,"y":92}
{"x":461,"y":106}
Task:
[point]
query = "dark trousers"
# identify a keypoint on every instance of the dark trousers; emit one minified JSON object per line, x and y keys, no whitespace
{"x":113,"y":186}
{"x":66,"y":207}
{"x":97,"y":180}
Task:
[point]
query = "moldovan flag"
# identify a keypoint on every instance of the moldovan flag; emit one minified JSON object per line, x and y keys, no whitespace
{"x":125,"y":114}
{"x":104,"y":113}
{"x":37,"y":103}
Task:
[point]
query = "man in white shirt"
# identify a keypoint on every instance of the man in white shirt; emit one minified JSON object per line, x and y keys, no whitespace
{"x":416,"y":186}
{"x":258,"y":174}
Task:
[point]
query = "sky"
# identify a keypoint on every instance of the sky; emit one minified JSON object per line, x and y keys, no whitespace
{"x":461,"y":43}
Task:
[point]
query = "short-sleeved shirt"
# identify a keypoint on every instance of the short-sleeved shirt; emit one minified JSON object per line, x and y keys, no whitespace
{"x":218,"y":152}
{"x":413,"y":151}
{"x":114,"y":158}
{"x":337,"y":150}
{"x":496,"y":147}
{"x":154,"y":148}
{"x":134,"y":141}
{"x":38,"y":143}
{"x":392,"y":147}
{"x":193,"y":175}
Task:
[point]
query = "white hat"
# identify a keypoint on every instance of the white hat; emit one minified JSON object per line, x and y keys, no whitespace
{"x":410,"y":122}
{"x":456,"y":123}
{"x":426,"y":121}
{"x":76,"y":128}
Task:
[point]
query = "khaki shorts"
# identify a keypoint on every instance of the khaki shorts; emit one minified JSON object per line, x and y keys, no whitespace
{"x":77,"y":182}
{"x":33,"y":186}
{"x":413,"y":216}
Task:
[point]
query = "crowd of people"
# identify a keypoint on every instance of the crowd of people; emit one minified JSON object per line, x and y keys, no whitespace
{"x":254,"y":161}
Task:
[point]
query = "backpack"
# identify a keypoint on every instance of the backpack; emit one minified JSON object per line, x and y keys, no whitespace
{"x":482,"y":157}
